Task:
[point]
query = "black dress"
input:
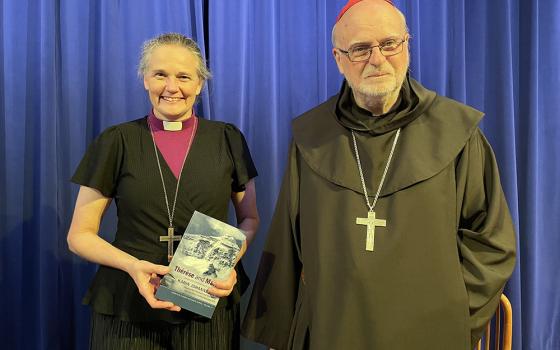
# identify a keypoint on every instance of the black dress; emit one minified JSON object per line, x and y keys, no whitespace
{"x":121,"y":164}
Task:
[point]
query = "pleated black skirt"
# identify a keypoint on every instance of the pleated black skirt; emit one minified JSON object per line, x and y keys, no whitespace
{"x":219,"y":333}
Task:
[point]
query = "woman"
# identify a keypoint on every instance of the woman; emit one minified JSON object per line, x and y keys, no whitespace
{"x":160,"y":169}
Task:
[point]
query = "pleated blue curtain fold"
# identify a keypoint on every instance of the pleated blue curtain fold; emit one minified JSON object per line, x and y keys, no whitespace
{"x":68,"y":70}
{"x":535,"y":286}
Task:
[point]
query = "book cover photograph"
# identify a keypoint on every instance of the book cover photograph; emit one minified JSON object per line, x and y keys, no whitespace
{"x":206,"y":252}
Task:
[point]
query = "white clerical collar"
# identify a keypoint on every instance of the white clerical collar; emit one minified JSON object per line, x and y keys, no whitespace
{"x":172,"y":125}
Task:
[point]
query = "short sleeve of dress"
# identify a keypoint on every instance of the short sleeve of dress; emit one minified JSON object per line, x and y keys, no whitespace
{"x":244,"y":168}
{"x":100,"y":166}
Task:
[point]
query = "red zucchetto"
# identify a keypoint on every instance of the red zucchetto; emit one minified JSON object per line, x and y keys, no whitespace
{"x":351,"y":3}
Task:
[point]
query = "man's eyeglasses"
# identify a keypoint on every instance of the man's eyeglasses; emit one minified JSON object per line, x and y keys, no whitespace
{"x":362,"y":53}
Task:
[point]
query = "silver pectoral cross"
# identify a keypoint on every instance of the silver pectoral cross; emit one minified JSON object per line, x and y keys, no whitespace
{"x":170,"y":238}
{"x":371,"y":222}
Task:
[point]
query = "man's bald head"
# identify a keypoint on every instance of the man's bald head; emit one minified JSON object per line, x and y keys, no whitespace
{"x":371,"y":28}
{"x":365,"y":8}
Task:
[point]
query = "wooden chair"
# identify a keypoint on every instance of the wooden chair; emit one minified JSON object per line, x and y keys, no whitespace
{"x":501,"y":327}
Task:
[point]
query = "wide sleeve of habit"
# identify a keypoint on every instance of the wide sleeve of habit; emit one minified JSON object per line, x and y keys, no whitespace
{"x":101,"y":165}
{"x":273,"y":302}
{"x":486,"y":235}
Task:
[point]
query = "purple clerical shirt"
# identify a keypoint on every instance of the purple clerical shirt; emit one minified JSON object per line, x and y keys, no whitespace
{"x":173,"y":145}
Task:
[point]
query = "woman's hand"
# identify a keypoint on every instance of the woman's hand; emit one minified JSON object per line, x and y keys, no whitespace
{"x":146,"y":276}
{"x":245,"y":205}
{"x":223,"y":288}
{"x":83,"y":239}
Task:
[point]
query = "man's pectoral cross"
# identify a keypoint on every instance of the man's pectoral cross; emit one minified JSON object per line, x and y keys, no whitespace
{"x":170,"y":238}
{"x":371,"y":222}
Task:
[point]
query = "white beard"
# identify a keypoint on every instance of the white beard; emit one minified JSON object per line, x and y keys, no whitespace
{"x":384,"y":89}
{"x":377,"y":90}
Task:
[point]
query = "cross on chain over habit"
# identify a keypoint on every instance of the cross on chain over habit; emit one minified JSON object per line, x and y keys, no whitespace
{"x":371,"y":222}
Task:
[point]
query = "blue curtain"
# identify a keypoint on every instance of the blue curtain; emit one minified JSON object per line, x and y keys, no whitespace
{"x":68,"y":70}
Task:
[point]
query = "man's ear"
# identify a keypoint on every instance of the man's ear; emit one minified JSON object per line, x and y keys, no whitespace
{"x":337,"y":58}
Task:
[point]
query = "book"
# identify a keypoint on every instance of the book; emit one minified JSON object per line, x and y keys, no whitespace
{"x":206,"y":252}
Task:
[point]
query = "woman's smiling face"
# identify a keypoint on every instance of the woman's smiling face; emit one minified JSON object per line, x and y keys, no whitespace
{"x":172,"y":82}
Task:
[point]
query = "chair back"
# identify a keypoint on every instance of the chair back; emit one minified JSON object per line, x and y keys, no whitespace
{"x":502,"y":328}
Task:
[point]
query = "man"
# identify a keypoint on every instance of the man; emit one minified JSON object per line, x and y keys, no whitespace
{"x":391,"y":229}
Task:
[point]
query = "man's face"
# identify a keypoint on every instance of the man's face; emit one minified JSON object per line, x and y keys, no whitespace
{"x":365,"y":24}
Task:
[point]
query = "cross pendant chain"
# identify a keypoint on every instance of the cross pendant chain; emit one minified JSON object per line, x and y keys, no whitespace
{"x":170,"y":238}
{"x":371,"y":222}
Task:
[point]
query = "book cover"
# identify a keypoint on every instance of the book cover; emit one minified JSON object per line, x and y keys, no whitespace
{"x":206,"y":252}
